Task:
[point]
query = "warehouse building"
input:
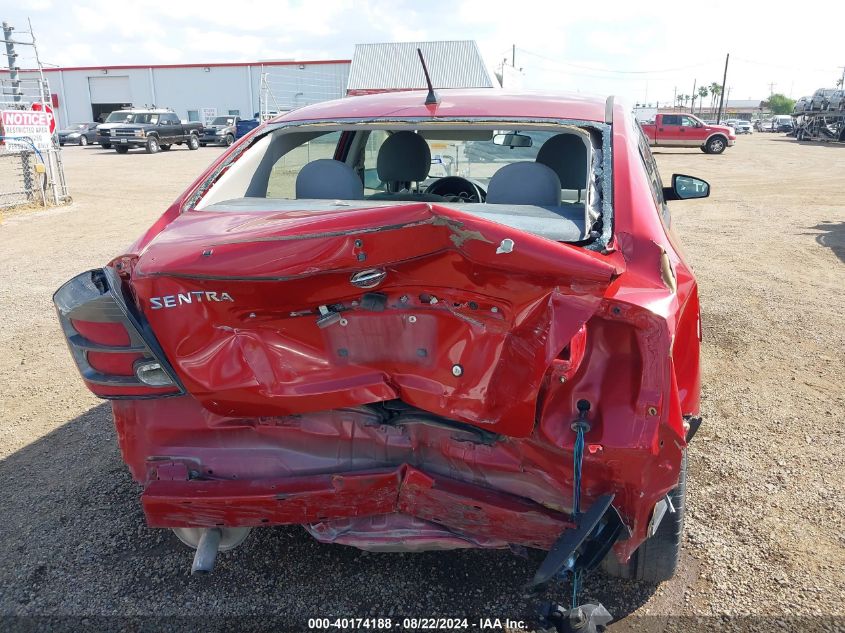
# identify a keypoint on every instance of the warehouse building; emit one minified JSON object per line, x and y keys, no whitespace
{"x":196,"y":92}
{"x":200,"y":92}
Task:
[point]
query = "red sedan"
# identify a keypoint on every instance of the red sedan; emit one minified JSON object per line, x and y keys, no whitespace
{"x":411,"y":326}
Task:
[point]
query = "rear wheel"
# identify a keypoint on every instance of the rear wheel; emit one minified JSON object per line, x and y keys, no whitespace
{"x":105,"y":145}
{"x":230,"y":138}
{"x":716,"y":145}
{"x":121,"y":149}
{"x":83,"y":140}
{"x":657,"y":558}
{"x":152,"y":145}
{"x":193,"y":142}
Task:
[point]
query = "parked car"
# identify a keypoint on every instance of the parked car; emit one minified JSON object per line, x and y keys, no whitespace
{"x":113,"y":119}
{"x":802,"y":105}
{"x":78,"y":134}
{"x":687,"y":130}
{"x":783,"y":123}
{"x":245,"y":126}
{"x":743,"y":127}
{"x":154,"y":130}
{"x":306,"y":336}
{"x":821,"y":98}
{"x":221,"y":131}
{"x":836,"y":101}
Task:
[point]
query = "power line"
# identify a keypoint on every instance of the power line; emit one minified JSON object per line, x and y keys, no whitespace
{"x":771,"y":65}
{"x":622,"y":72}
{"x":566,"y":71}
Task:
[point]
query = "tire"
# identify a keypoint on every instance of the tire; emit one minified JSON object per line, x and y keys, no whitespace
{"x":657,"y":558}
{"x":121,"y":149}
{"x":152,"y":145}
{"x":193,"y":142}
{"x":83,"y":141}
{"x":716,"y":145}
{"x":165,"y":147}
{"x":230,"y":138}
{"x":703,"y":149}
{"x":105,"y":145}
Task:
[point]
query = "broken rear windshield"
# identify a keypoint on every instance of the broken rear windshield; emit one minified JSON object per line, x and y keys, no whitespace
{"x":545,"y":179}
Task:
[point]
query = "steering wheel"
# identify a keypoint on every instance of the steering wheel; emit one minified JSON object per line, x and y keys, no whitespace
{"x":457,"y":189}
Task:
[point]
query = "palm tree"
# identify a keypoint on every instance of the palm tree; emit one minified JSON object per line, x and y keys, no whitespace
{"x":715,"y":91}
{"x":702,"y":92}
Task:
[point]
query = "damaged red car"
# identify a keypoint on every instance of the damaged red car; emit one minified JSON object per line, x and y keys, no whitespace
{"x":411,"y":324}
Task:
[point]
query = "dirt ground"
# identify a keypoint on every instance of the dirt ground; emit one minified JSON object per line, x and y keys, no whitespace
{"x":766,"y":519}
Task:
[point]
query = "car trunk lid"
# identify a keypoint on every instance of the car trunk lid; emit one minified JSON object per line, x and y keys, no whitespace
{"x":277,"y":313}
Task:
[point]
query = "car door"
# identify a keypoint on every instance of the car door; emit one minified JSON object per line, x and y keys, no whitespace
{"x":669,"y":130}
{"x":690,"y":132}
{"x":174,"y":127}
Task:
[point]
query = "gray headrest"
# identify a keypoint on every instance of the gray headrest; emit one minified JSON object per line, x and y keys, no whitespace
{"x":327,"y":179}
{"x":403,"y":157}
{"x":567,"y":155}
{"x":524,"y":183}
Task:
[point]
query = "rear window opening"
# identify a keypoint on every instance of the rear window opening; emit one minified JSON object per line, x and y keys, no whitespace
{"x":546,"y":179}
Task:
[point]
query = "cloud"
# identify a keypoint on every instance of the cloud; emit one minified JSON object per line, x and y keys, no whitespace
{"x":560,"y":45}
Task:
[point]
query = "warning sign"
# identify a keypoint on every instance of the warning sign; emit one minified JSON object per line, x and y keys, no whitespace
{"x":24,"y":128}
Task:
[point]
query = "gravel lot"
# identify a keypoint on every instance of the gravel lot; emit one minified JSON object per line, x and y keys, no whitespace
{"x":766,"y":518}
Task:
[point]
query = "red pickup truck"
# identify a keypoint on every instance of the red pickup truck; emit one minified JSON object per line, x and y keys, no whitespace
{"x":686,"y":130}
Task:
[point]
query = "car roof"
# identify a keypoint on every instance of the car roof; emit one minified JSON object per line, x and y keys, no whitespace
{"x":482,"y":102}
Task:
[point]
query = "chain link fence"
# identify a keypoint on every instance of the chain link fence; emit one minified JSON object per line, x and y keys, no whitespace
{"x":20,"y":182}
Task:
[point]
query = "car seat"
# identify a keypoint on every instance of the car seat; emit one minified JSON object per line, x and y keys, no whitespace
{"x":525,"y":183}
{"x":328,"y":179}
{"x":404,"y":158}
{"x":566,"y":154}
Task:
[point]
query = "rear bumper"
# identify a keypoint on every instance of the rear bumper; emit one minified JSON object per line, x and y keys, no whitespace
{"x":480,"y":514}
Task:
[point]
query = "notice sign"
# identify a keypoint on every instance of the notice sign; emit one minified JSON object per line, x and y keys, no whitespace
{"x":21,"y":129}
{"x":208,"y":115}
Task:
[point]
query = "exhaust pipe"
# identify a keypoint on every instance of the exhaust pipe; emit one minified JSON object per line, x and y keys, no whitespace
{"x":206,"y":553}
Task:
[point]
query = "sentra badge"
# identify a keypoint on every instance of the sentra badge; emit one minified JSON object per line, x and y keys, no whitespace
{"x":197,"y":296}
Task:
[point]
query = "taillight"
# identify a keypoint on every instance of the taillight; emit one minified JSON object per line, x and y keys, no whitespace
{"x":115,"y":351}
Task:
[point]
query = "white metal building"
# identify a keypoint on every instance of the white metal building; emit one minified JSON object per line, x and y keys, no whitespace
{"x":195,"y":92}
{"x":396,"y":66}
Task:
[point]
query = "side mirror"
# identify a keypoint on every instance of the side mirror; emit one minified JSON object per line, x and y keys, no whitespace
{"x":686,"y":188}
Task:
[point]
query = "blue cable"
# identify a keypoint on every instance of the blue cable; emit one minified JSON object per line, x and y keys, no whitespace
{"x":580,"y":427}
{"x":25,"y":139}
{"x":577,"y":459}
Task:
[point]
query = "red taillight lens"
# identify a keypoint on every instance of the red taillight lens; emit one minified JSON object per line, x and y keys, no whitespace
{"x":114,"y":364}
{"x":114,"y":334}
{"x":115,"y":352}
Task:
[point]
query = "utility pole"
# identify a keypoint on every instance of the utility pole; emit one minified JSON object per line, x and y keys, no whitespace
{"x":513,"y":55}
{"x":772,"y":85}
{"x":722,"y":93}
{"x":842,"y":81}
{"x":692,"y":103}
{"x":11,"y":56}
{"x":675,"y":99}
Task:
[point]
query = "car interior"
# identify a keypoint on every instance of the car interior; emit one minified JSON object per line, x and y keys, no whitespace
{"x":547,"y":181}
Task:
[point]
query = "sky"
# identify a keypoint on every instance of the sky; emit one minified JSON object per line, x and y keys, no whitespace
{"x":645,"y":52}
